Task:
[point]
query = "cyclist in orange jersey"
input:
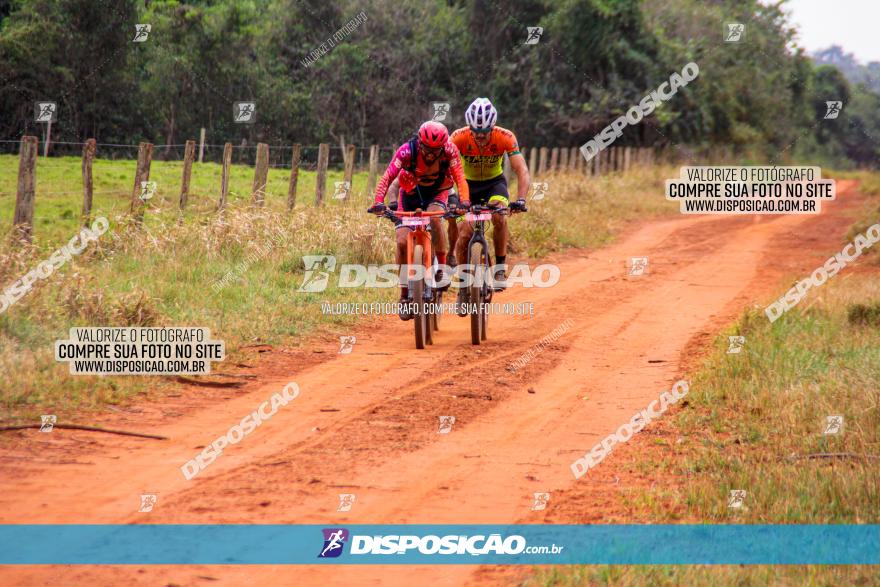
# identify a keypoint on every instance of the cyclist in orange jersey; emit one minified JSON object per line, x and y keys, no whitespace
{"x":483,"y":145}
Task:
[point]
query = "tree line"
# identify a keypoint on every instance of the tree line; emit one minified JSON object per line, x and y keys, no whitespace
{"x":317,"y":77}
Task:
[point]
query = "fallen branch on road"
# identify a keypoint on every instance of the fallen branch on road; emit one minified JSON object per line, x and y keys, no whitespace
{"x":87,"y":428}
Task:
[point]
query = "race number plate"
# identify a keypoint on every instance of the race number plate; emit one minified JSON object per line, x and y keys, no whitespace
{"x":481,"y":216}
{"x":415,"y":221}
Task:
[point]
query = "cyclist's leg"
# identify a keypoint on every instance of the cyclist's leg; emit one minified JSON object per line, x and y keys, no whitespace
{"x":406,"y":203}
{"x":438,"y":237}
{"x":452,"y":229}
{"x":500,"y":235}
{"x":499,"y":197}
{"x":465,"y":230}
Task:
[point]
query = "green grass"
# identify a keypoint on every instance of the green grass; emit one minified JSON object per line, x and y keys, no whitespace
{"x":748,"y":421}
{"x":163,"y":273}
{"x":59,"y":196}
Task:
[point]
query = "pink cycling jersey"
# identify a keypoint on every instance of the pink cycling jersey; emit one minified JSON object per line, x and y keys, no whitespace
{"x":401,"y":162}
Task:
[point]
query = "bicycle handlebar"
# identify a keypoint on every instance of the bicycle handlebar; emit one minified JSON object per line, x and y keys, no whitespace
{"x":477,"y":209}
{"x":421,"y":212}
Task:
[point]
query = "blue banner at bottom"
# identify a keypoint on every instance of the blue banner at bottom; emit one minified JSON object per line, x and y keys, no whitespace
{"x":426,"y":544}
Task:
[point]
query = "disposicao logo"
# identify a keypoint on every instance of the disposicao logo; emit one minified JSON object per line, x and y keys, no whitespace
{"x":334,"y":541}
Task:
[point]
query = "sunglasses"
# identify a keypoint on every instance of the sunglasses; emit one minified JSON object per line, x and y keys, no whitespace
{"x":430,"y":150}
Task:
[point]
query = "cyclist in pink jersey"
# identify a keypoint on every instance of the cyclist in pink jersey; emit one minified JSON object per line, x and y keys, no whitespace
{"x":426,"y":167}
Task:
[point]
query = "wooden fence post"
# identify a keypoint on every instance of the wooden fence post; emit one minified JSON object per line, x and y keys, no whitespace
{"x":542,"y":163}
{"x":261,"y":175}
{"x":533,"y":161}
{"x":348,"y":174}
{"x":224,"y":176}
{"x":295,"y":156}
{"x":573,"y":162}
{"x":374,"y":170}
{"x":23,"y":220}
{"x":141,"y":174}
{"x":88,"y":154}
{"x":48,"y":139}
{"x":188,"y":154}
{"x":554,"y":159}
{"x":321,"y":177}
{"x":563,"y":159}
{"x":627,"y":155}
{"x":201,"y":144}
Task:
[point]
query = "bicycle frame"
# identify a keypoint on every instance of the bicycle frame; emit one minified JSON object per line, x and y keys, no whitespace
{"x":420,"y":236}
{"x":479,"y":215}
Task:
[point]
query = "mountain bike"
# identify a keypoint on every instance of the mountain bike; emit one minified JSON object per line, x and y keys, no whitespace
{"x":419,"y":252}
{"x":479,"y":293}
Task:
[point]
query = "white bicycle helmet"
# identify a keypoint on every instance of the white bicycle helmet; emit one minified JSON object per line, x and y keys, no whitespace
{"x":481,"y":115}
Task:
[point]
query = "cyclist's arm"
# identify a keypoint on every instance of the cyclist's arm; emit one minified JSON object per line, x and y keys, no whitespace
{"x":393,"y":190}
{"x":518,"y":163}
{"x":397,"y":163}
{"x":523,"y":179}
{"x":457,"y":172}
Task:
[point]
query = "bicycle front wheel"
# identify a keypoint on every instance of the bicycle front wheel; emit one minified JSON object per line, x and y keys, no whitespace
{"x":476,"y":291}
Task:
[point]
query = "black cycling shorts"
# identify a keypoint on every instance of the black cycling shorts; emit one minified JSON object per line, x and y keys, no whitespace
{"x":422,"y":197}
{"x":495,"y":189}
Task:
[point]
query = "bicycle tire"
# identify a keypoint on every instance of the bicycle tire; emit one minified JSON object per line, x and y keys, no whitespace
{"x":475,"y":291}
{"x":417,"y":291}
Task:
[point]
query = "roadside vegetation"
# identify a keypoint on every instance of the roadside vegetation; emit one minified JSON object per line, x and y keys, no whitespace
{"x":755,"y":421}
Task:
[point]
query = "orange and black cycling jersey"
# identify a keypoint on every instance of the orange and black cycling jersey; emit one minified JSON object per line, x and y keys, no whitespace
{"x":486,"y":162}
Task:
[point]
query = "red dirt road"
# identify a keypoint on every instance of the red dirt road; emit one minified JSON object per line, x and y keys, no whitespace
{"x":367,"y":422}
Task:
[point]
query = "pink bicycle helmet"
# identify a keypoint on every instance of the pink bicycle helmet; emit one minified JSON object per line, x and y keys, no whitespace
{"x":433,"y":134}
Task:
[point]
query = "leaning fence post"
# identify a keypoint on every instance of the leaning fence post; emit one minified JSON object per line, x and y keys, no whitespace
{"x":23,"y":220}
{"x":188,"y":154}
{"x":261,"y":175}
{"x":542,"y":164}
{"x":374,"y":170}
{"x":321,"y":176}
{"x":295,"y":156}
{"x":224,"y":175}
{"x":141,"y":174}
{"x":349,"y":170}
{"x":88,"y":154}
